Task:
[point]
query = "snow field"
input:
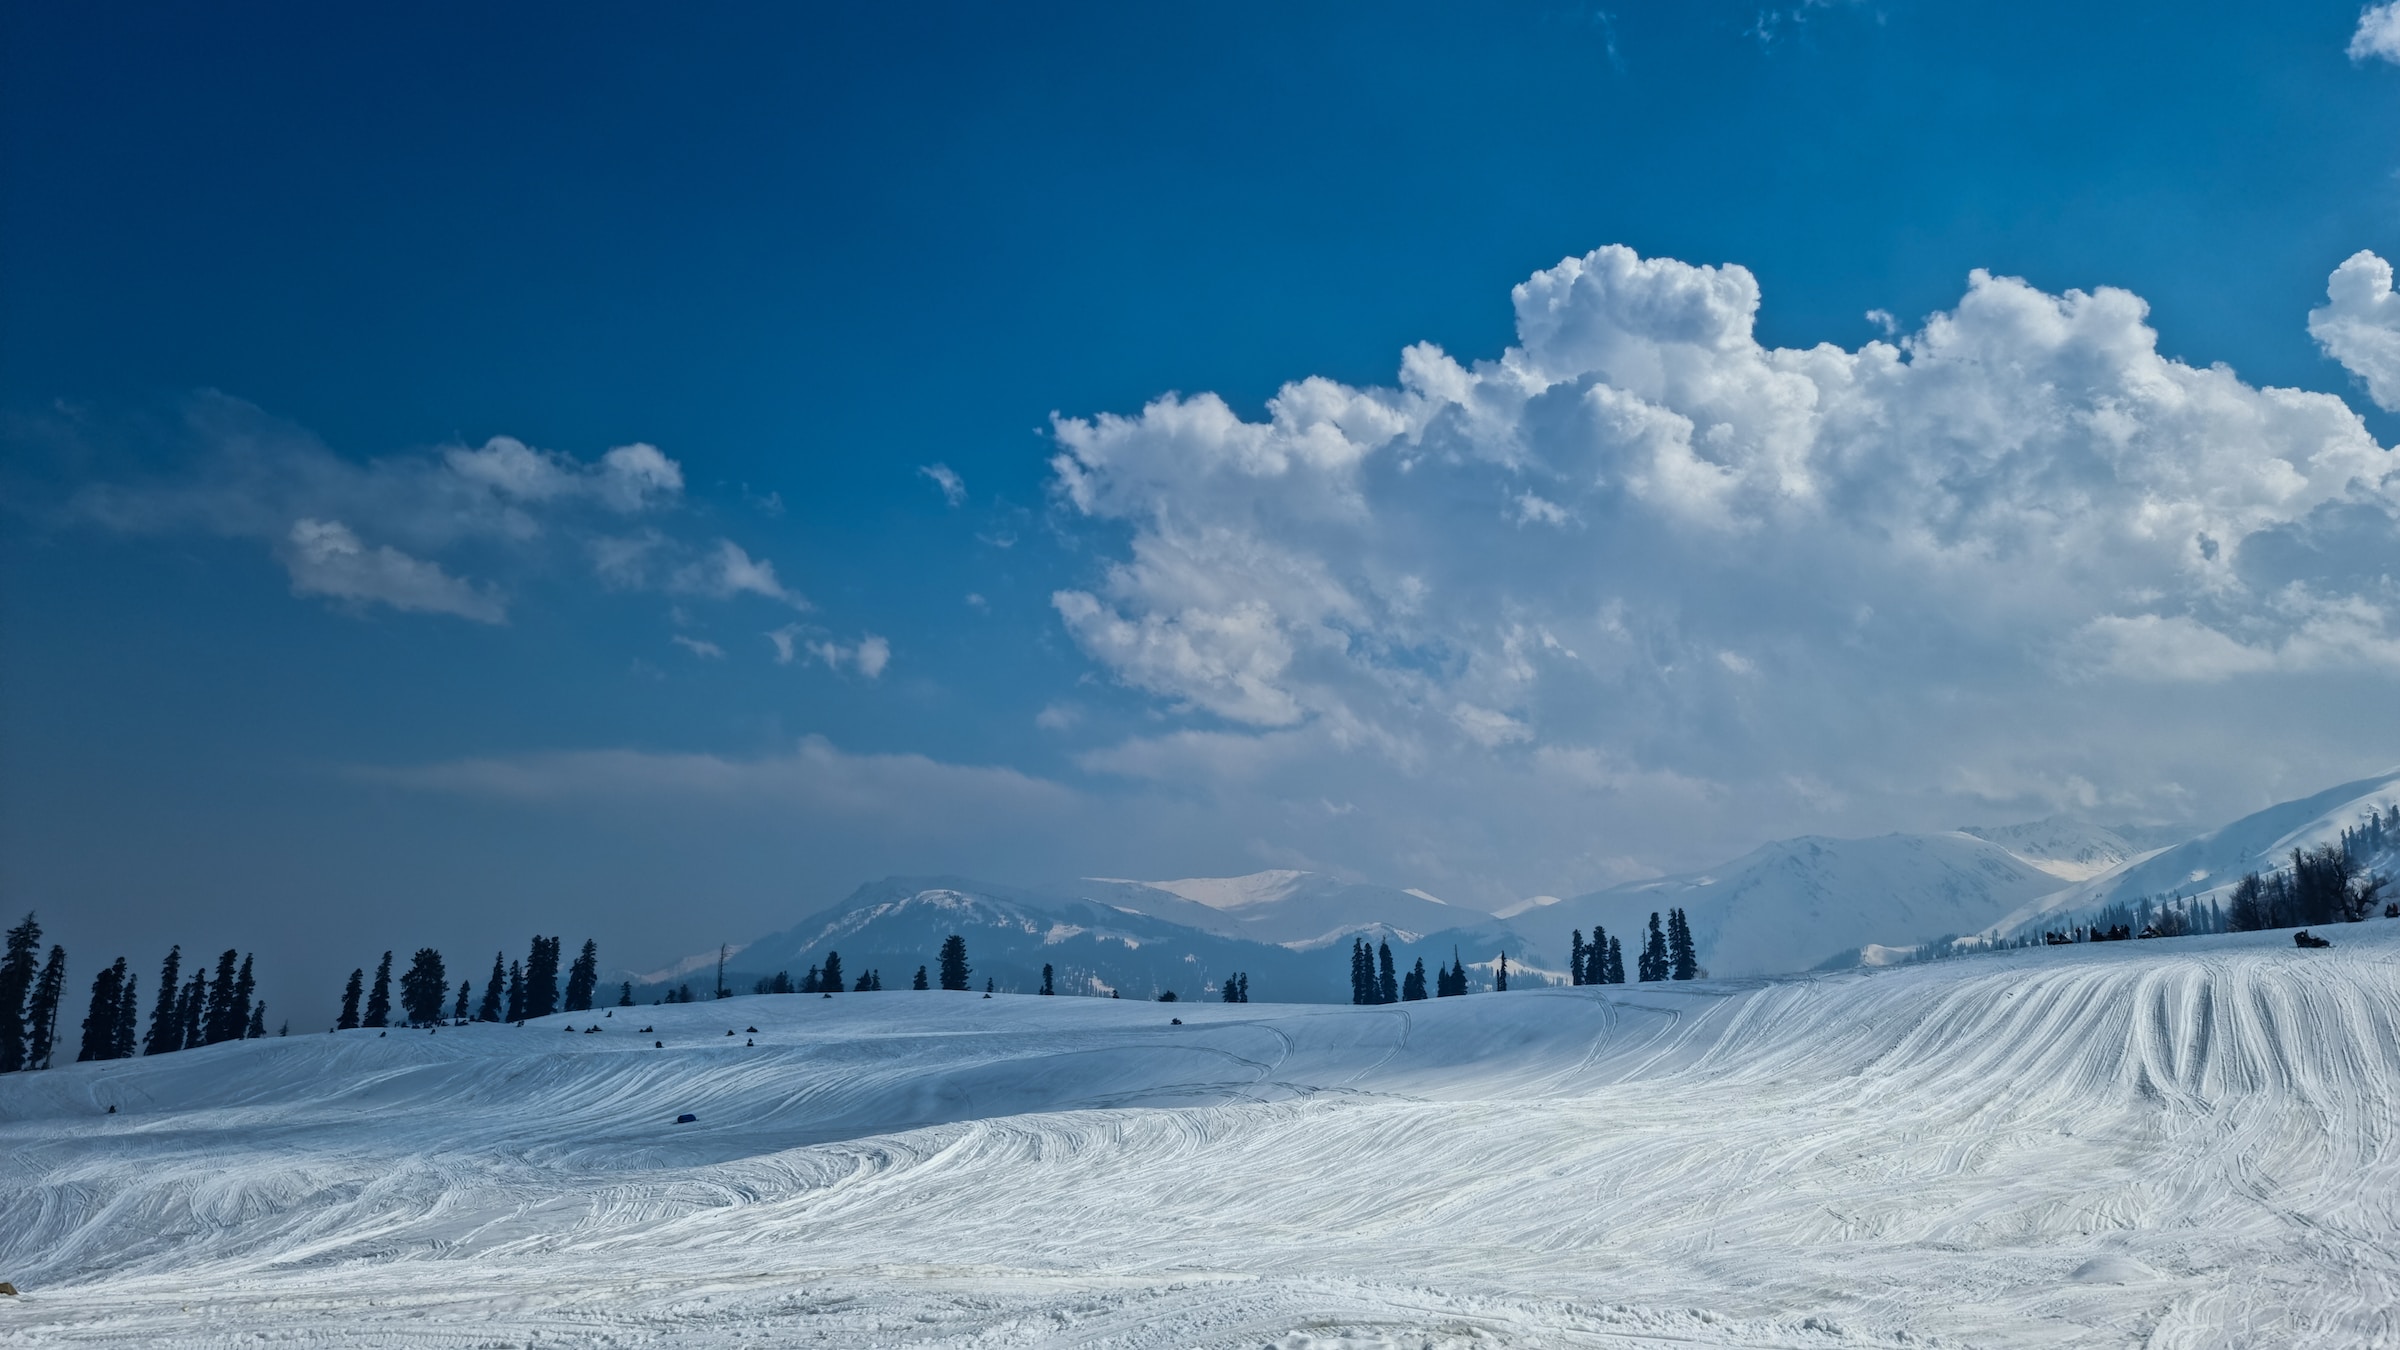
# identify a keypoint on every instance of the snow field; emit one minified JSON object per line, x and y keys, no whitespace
{"x":2178,"y":1143}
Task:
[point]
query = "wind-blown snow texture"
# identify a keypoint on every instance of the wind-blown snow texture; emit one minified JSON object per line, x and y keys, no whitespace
{"x":2156,"y":1143}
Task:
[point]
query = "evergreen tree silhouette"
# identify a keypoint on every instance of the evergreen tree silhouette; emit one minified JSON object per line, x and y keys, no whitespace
{"x":515,"y":1000}
{"x":18,"y":970}
{"x":214,"y":1029}
{"x":832,"y":983}
{"x":1616,"y":962}
{"x":124,"y":1036}
{"x":1412,"y":986}
{"x":1500,"y":975}
{"x":953,"y":962}
{"x":458,"y":1011}
{"x":1595,"y":957}
{"x":379,"y":996}
{"x":1575,"y":958}
{"x":1654,"y":952}
{"x":166,"y":1030}
{"x":257,"y":1027}
{"x":920,"y":984}
{"x":100,"y":1023}
{"x":1362,"y":972}
{"x":1049,"y":988}
{"x":350,"y":996}
{"x":244,"y":988}
{"x":1387,"y":981}
{"x":625,"y":991}
{"x":1682,"y":962}
{"x":422,"y":987}
{"x":492,"y":1005}
{"x":583,"y":977}
{"x":193,"y":1004}
{"x":41,"y":1018}
{"x":541,"y":978}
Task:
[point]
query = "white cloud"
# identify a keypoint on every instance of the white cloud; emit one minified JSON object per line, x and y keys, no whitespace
{"x":1966,"y":554}
{"x":700,"y":647}
{"x":868,"y":656}
{"x":2359,"y":324}
{"x":2378,"y":33}
{"x":1058,"y":717}
{"x":954,"y":488}
{"x":325,"y":557}
{"x":727,"y":571}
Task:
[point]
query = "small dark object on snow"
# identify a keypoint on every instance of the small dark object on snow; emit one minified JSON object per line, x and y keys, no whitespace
{"x":987,"y":995}
{"x":1174,"y":1021}
{"x":686,"y":1118}
{"x":112,"y":1110}
{"x":8,"y":1289}
{"x":2392,"y":911}
{"x":750,"y":1031}
{"x":728,"y":1031}
{"x":829,"y":996}
{"x":570,"y":1028}
{"x":647,"y":1030}
{"x":2304,"y":938}
{"x":750,"y":1043}
{"x":381,"y":1034}
{"x":658,"y":1045}
{"x":610,"y":1013}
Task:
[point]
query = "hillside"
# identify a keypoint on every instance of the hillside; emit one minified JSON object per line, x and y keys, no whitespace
{"x":2165,"y":1143}
{"x":1799,"y":903}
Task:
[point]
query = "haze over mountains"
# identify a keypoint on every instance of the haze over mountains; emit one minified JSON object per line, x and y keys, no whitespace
{"x":1794,"y":904}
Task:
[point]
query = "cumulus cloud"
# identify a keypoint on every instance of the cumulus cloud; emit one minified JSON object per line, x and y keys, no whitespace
{"x":2359,"y":323}
{"x":325,"y":558}
{"x":867,"y":656}
{"x":954,"y":488}
{"x":700,"y":647}
{"x":395,"y":531}
{"x":2378,"y":34}
{"x":1641,"y":535}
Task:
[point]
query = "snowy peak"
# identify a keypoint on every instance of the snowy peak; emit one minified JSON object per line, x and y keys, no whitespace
{"x":2068,"y":847}
{"x":1298,"y":910}
{"x":1232,"y":893}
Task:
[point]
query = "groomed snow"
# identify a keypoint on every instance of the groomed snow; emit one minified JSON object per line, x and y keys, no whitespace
{"x":2178,"y":1143}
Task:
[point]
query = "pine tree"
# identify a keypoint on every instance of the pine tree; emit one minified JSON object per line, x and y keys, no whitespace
{"x":1575,"y":959}
{"x":515,"y":999}
{"x":1595,"y":958}
{"x":1616,"y":962}
{"x":865,"y":983}
{"x":166,"y":1031}
{"x":583,"y":977}
{"x":1412,"y":989}
{"x":124,"y":1038}
{"x":1654,"y":952}
{"x":1500,"y":975}
{"x":1047,"y":986}
{"x":1682,"y":962}
{"x":257,"y":1029}
{"x":625,"y":991}
{"x":213,"y":1022}
{"x":458,"y":1012}
{"x":953,"y":962}
{"x":1362,"y":972}
{"x":541,"y":978}
{"x":1387,"y":981}
{"x":100,"y":1023}
{"x":350,"y":995}
{"x":490,"y":1009}
{"x":832,"y":983}
{"x":17,"y":974}
{"x":421,"y":989}
{"x":237,"y":1018}
{"x":1244,"y":980}
{"x":379,"y":995}
{"x":41,"y":1019}
{"x":193,"y":1005}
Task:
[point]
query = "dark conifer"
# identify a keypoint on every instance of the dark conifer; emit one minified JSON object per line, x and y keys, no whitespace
{"x":379,"y":995}
{"x":422,"y":988}
{"x":1575,"y":959}
{"x":125,"y":1037}
{"x":865,"y":984}
{"x":193,"y":1004}
{"x":920,"y":984}
{"x":514,"y":1002}
{"x":1412,"y":988}
{"x":1049,"y":987}
{"x":832,"y":983}
{"x":216,"y":1024}
{"x":541,"y":978}
{"x":41,"y":1019}
{"x":812,"y":983}
{"x":1616,"y":961}
{"x":1682,"y":962}
{"x":953,"y":962}
{"x":166,"y":1029}
{"x":1500,"y":975}
{"x":625,"y":991}
{"x":350,"y":997}
{"x":458,"y":1011}
{"x":1387,"y":981}
{"x":583,"y":977}
{"x":257,"y":1028}
{"x":1362,"y":972}
{"x":494,"y":993}
{"x":1654,"y":952}
{"x":1595,"y":957}
{"x":18,"y":970}
{"x":1244,"y":980}
{"x":244,"y":988}
{"x":990,"y":987}
{"x":100,"y":1023}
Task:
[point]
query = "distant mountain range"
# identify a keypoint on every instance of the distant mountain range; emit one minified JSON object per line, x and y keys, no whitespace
{"x":1795,"y":904}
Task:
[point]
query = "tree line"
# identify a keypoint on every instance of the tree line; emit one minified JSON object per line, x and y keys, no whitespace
{"x":185,"y":1015}
{"x":515,"y":992}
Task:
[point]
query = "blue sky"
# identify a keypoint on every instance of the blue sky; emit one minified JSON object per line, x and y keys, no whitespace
{"x":300,"y":657}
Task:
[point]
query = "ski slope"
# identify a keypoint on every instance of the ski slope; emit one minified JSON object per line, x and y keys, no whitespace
{"x":2176,"y":1143}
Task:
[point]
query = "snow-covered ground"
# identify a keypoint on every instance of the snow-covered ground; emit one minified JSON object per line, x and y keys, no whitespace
{"x":2174,"y":1143}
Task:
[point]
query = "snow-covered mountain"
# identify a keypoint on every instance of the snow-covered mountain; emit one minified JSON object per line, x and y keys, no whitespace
{"x":2213,"y":862}
{"x":1299,"y":910}
{"x":1799,"y":903}
{"x":2071,"y":848}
